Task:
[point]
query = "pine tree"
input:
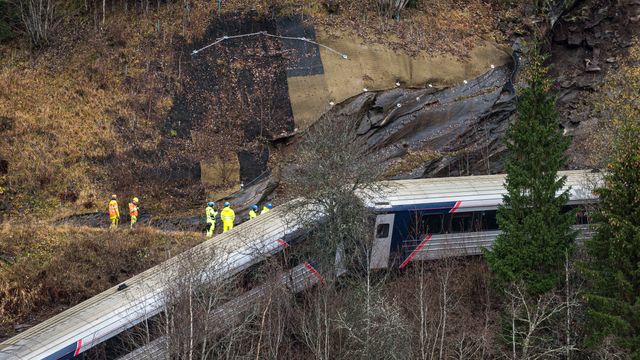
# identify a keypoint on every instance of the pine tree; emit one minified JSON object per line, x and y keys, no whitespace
{"x":536,"y":235}
{"x":613,"y":267}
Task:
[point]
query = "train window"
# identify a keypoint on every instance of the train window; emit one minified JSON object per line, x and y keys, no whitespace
{"x":582,"y":215}
{"x":433,"y":223}
{"x":382,"y":231}
{"x":489,"y":221}
{"x":477,"y":223}
{"x":462,"y":222}
{"x":416,"y":227}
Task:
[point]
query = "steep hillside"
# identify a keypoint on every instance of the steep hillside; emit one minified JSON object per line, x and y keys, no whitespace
{"x":118,"y":104}
{"x":122,"y":106}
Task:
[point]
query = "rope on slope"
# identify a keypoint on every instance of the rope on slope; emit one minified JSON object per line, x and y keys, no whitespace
{"x":264,"y":33}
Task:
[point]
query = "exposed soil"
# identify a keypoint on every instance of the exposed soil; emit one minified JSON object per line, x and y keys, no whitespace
{"x":233,"y":102}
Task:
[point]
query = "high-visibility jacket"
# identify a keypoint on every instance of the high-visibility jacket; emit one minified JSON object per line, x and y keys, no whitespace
{"x":211,"y":214}
{"x":113,"y":209}
{"x":264,"y":210}
{"x":252,"y":214}
{"x":227,"y":215}
{"x":133,"y":209}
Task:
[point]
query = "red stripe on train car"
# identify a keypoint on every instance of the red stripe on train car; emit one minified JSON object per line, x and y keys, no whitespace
{"x":314,"y":271}
{"x":283,"y":243}
{"x":455,"y":207}
{"x":414,"y":252}
{"x":78,"y":347}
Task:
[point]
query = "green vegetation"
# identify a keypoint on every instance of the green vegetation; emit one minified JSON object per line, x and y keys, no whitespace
{"x":613,"y":266}
{"x":614,"y":262}
{"x":536,"y":235}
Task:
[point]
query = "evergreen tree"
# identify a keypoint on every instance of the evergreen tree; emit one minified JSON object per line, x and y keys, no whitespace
{"x":536,"y":235}
{"x":613,"y":267}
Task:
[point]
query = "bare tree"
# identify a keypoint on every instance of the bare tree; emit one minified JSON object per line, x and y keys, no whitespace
{"x":534,"y":333}
{"x":335,"y":181}
{"x":391,"y":8}
{"x":333,"y":178}
{"x":316,"y":315}
{"x":39,"y":18}
{"x":375,"y":329}
{"x":448,"y":309}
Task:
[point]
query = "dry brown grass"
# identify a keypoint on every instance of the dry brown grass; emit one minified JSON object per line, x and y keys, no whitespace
{"x":81,"y":107}
{"x":442,"y":26}
{"x":44,"y":269}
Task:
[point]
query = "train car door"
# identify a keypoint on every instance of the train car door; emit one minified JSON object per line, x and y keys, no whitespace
{"x":382,"y":241}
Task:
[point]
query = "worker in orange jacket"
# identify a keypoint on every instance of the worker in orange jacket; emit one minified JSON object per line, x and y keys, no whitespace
{"x":114,"y":212}
{"x":133,"y":211}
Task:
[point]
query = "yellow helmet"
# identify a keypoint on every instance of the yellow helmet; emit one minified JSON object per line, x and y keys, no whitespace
{"x":135,"y":200}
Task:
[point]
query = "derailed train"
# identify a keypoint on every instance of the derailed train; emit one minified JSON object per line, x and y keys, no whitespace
{"x":435,"y":218}
{"x":415,"y":220}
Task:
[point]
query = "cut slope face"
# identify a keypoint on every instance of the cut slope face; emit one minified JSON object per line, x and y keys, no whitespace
{"x":379,"y":67}
{"x":435,"y":132}
{"x":233,"y":102}
{"x":122,"y":107}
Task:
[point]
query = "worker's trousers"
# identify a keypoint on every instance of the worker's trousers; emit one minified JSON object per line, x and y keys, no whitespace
{"x":114,"y":222}
{"x":134,"y":219}
{"x":211,"y":228}
{"x":227,"y":225}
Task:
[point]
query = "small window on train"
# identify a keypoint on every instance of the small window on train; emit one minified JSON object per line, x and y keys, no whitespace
{"x":582,"y":214}
{"x":489,"y":220}
{"x":433,"y":223}
{"x":461,"y":222}
{"x":382,"y":231}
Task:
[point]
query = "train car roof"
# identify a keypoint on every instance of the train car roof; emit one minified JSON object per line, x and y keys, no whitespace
{"x":469,"y":192}
{"x":114,"y":310}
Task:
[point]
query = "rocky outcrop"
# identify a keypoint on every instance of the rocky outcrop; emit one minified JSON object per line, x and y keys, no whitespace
{"x":460,"y":126}
{"x":586,"y":43}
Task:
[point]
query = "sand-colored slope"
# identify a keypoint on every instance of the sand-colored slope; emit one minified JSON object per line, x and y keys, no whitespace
{"x":377,"y":67}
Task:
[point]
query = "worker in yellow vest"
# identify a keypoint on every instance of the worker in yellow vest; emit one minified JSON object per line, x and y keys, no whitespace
{"x":211,"y":214}
{"x":133,"y":211}
{"x":114,"y":212}
{"x":266,"y":208}
{"x":252,"y":212}
{"x":228,"y":216}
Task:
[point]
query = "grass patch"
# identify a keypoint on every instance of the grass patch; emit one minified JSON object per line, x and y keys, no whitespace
{"x":44,"y":269}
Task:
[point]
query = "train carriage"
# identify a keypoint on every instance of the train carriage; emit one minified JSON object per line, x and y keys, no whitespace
{"x":434,"y":218}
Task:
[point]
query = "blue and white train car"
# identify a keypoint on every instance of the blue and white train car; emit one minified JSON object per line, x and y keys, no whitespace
{"x":428,"y":219}
{"x":415,"y":220}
